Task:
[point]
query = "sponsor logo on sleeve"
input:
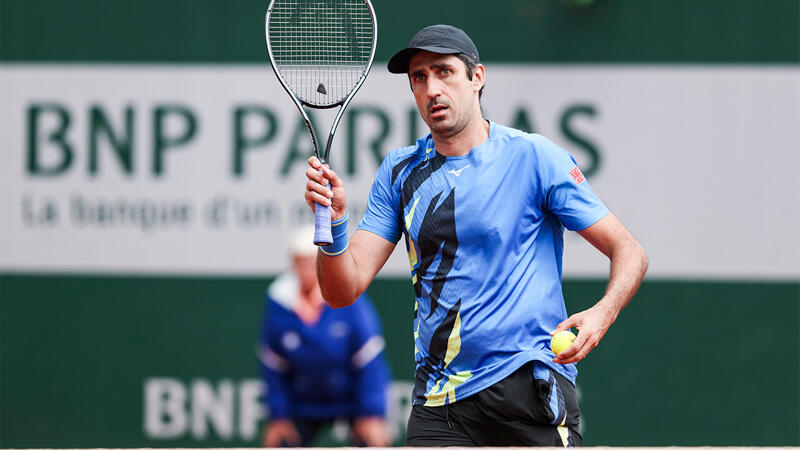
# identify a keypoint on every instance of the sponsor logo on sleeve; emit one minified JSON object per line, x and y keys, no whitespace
{"x":576,"y":173}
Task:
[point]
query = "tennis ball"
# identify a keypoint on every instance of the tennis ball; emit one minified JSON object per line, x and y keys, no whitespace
{"x":561,"y":341}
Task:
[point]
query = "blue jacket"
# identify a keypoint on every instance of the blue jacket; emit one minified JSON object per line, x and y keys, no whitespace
{"x":335,"y":368}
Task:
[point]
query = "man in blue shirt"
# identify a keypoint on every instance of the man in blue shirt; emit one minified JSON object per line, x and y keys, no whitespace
{"x":320,"y":364}
{"x":482,"y":208}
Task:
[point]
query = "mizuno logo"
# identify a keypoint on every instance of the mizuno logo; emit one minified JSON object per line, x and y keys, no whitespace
{"x":458,"y":172}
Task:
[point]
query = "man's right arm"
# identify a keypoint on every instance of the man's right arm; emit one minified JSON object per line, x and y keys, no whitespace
{"x":344,"y":277}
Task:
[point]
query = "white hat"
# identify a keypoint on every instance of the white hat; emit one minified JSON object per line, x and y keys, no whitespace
{"x":302,"y":242}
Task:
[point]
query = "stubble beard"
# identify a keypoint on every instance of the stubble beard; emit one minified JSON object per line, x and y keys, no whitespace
{"x":449,"y":126}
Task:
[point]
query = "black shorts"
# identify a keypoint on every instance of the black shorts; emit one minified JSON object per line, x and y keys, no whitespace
{"x":513,"y":412}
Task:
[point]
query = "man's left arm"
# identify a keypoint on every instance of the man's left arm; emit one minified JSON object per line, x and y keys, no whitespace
{"x":628,"y":266}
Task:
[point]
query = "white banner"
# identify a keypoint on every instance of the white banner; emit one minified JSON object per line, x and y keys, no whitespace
{"x":199,"y":169}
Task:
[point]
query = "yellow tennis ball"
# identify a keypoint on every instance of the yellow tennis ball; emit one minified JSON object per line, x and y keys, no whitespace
{"x":561,"y":341}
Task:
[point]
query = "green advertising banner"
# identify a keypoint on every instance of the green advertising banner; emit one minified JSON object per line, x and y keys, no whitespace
{"x":116,"y":361}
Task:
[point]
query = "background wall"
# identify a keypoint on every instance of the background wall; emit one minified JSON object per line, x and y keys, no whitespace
{"x":152,"y":167}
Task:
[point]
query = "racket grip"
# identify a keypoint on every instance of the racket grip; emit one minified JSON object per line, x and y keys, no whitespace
{"x":322,"y":223}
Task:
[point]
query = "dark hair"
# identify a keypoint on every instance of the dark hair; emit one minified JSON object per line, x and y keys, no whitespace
{"x":471,"y":65}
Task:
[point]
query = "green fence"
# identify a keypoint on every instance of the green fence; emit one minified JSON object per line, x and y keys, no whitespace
{"x":687,"y":363}
{"x":630,"y":31}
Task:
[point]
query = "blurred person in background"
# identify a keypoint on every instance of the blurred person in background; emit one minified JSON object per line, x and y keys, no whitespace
{"x":320,"y":364}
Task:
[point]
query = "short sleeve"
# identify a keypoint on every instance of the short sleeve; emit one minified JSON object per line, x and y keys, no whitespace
{"x":567,"y":194}
{"x":383,"y":205}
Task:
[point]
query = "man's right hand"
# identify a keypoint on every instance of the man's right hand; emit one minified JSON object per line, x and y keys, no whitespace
{"x":316,"y":192}
{"x":280,"y":432}
{"x":344,"y":277}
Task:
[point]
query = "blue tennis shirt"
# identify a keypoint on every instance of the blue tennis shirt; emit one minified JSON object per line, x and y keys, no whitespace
{"x":484,"y":234}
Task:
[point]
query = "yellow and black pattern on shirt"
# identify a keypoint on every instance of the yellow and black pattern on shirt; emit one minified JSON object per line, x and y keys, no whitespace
{"x":445,"y":346}
{"x":436,"y":241}
{"x":444,"y":392}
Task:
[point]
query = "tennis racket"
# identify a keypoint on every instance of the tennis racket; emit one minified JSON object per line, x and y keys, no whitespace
{"x":321,"y":51}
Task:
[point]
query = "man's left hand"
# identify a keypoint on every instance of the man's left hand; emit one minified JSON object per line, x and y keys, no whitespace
{"x":592,"y":325}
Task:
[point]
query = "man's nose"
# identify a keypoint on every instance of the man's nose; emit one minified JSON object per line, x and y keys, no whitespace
{"x":434,"y":88}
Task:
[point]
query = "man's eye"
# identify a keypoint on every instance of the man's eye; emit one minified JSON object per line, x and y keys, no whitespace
{"x":447,"y":71}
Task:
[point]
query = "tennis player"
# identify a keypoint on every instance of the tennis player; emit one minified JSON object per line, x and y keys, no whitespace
{"x":482,"y":208}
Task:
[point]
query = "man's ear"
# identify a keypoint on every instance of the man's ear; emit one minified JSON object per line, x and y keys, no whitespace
{"x":479,"y":77}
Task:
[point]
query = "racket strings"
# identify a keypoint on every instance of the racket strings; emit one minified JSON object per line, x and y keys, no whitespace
{"x":321,"y":47}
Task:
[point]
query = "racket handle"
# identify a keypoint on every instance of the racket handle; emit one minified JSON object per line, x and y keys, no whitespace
{"x":322,"y":223}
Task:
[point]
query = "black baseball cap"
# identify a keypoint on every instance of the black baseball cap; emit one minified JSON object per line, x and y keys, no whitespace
{"x":445,"y":39}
